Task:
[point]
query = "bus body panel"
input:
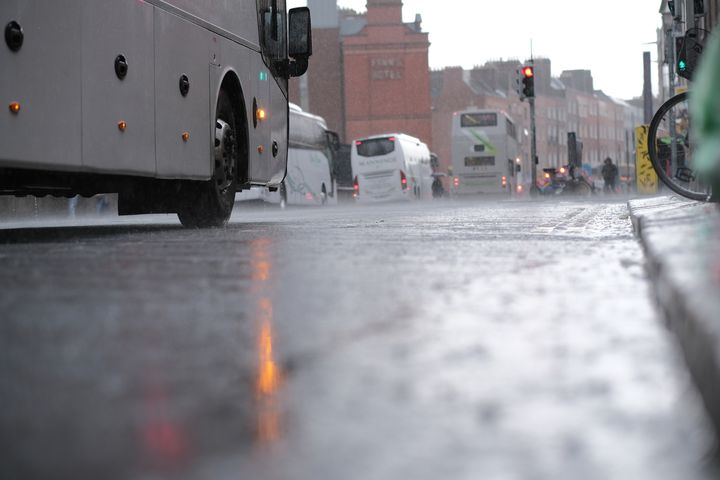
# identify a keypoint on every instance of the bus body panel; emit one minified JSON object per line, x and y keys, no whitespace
{"x":420,"y":171}
{"x":307,"y":172}
{"x":112,"y":28}
{"x":45,"y":79}
{"x":175,"y":114}
{"x":279,"y":127}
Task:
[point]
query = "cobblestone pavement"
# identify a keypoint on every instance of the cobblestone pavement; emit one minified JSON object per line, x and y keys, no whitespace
{"x":442,"y":340}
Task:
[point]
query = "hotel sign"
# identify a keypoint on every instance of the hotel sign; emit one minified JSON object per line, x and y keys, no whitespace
{"x":386,"y":68}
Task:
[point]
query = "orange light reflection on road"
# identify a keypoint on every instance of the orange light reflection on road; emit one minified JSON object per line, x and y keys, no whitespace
{"x":269,"y":376}
{"x":268,"y":379}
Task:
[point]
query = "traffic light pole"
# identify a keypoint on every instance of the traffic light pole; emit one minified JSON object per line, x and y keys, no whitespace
{"x":533,"y":148}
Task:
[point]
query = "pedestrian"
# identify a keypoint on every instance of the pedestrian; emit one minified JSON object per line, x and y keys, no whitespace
{"x":609,"y":174}
{"x":437,"y":187}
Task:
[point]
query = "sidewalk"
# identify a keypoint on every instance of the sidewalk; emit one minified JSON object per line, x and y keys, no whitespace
{"x":681,"y":239}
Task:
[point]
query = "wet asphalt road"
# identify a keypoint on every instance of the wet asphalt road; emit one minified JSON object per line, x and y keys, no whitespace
{"x":427,"y":341}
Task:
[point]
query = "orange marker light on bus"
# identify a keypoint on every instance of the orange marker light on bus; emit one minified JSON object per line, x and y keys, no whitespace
{"x":186,"y":136}
{"x":14,"y":107}
{"x":261,"y":149}
{"x":261,"y":114}
{"x":122,"y":125}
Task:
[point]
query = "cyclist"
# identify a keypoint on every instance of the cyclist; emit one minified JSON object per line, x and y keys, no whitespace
{"x":705,"y":109}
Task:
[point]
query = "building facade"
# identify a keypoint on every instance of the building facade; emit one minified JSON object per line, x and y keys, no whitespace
{"x":565,"y":104}
{"x":369,"y":73}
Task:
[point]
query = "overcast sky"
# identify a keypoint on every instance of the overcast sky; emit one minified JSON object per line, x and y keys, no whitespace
{"x":606,"y":36}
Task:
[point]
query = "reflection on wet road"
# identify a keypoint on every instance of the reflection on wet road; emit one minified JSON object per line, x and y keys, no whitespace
{"x":269,"y":374}
{"x":438,"y":340}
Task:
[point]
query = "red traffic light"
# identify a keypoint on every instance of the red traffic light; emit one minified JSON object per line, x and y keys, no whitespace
{"x":528,"y":72}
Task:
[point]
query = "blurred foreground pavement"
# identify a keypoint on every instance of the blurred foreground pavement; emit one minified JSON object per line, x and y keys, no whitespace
{"x":440,"y":340}
{"x":682,"y":244}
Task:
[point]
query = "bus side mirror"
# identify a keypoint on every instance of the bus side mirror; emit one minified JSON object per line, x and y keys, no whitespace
{"x":300,"y":40}
{"x":333,"y":140}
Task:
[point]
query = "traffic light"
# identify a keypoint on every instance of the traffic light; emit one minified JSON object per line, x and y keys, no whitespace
{"x":688,"y":49}
{"x":528,"y":81}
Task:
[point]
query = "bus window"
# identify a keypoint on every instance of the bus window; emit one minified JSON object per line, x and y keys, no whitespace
{"x":479,"y":161}
{"x":511,"y":130}
{"x":375,"y":147}
{"x":272,"y":31}
{"x":478,"y":120}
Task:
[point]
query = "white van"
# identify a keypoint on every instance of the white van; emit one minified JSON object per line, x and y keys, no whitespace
{"x":391,"y":167}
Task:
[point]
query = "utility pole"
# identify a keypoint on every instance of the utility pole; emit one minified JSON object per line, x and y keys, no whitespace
{"x":533,"y":143}
{"x":647,"y":89}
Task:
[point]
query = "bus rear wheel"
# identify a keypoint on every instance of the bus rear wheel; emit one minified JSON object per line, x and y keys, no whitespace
{"x":209,"y":204}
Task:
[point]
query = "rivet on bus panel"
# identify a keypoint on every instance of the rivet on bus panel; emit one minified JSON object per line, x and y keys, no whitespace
{"x":14,"y":107}
{"x":122,"y":125}
{"x":186,"y":136}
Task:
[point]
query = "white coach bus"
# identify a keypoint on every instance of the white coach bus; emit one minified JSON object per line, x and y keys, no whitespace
{"x":391,"y":167}
{"x":484,"y":152}
{"x":173,"y":104}
{"x":310,"y":178}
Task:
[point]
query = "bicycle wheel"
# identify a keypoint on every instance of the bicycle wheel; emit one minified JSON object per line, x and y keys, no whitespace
{"x":671,"y":148}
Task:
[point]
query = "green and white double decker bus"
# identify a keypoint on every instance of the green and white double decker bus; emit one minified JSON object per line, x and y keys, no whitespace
{"x":485,"y":150}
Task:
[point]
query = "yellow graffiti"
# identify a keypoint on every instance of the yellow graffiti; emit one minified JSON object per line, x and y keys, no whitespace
{"x":647,"y":179}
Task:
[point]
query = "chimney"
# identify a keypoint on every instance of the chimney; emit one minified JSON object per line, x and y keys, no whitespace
{"x":384,"y":12}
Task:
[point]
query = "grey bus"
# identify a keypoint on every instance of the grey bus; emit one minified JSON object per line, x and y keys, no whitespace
{"x":172,"y":104}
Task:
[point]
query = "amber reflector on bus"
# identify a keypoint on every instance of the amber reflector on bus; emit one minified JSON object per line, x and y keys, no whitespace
{"x":15,"y":107}
{"x":185,"y":136}
{"x":122,"y":125}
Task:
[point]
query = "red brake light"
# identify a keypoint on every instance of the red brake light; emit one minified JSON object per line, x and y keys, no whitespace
{"x":358,"y":142}
{"x":356,"y":187}
{"x":392,"y":139}
{"x":403,"y":180}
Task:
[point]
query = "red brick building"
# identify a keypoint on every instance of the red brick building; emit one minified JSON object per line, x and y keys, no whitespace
{"x":369,"y":73}
{"x":387,"y":79}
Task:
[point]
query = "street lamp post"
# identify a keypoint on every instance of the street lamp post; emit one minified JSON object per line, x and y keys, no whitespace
{"x":669,"y":26}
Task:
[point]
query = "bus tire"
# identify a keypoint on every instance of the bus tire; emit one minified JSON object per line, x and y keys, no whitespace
{"x":209,"y":204}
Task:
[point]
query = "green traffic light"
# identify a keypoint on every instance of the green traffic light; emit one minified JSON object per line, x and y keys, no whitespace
{"x":682,"y":65}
